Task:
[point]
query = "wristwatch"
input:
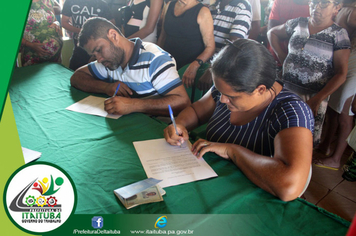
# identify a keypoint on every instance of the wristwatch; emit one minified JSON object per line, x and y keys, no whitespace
{"x":199,"y":61}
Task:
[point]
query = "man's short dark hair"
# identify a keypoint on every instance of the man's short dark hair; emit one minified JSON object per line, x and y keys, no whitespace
{"x":95,"y":28}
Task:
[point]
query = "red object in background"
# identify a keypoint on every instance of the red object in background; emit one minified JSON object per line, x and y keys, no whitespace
{"x":352,"y":229}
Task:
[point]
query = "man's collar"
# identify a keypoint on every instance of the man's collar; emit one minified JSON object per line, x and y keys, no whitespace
{"x":136,"y":51}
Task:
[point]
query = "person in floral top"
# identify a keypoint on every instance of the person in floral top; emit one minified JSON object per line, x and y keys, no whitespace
{"x":41,"y":40}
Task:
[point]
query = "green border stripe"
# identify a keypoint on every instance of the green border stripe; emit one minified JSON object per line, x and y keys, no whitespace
{"x":13,"y":18}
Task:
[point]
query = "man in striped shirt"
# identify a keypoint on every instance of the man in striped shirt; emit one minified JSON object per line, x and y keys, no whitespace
{"x":142,"y":69}
{"x":232,"y":20}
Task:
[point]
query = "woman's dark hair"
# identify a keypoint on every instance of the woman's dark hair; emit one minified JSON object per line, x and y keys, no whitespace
{"x":244,"y":65}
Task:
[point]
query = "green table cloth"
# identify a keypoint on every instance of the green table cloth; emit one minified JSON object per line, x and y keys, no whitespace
{"x":98,"y":154}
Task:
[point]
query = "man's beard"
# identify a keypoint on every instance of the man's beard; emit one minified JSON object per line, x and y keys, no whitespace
{"x":117,"y":58}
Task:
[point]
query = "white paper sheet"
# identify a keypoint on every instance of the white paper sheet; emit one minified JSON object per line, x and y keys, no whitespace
{"x":30,"y":155}
{"x":173,"y":164}
{"x":92,"y":105}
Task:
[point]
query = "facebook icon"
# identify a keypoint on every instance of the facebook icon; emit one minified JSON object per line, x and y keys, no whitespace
{"x":97,"y":222}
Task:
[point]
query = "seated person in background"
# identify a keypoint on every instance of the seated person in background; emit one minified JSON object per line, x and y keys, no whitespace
{"x":143,"y":23}
{"x":232,"y":20}
{"x":253,"y":121}
{"x":41,"y":40}
{"x":74,"y":14}
{"x":142,"y":69}
{"x":187,"y":34}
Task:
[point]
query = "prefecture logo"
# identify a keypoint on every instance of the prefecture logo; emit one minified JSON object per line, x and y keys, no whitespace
{"x":39,"y":197}
{"x":161,"y":222}
{"x":97,"y":222}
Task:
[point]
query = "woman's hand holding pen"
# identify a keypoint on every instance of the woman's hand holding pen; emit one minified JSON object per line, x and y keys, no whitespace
{"x":172,"y":138}
{"x":124,"y":90}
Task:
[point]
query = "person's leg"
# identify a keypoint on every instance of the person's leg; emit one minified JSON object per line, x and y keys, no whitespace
{"x":319,"y":121}
{"x":329,"y":130}
{"x":345,"y":125}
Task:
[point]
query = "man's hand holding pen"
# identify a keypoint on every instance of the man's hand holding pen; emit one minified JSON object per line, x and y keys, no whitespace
{"x":124,"y":90}
{"x":119,"y":105}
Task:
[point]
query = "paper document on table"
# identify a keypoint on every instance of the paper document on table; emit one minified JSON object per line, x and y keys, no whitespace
{"x":173,"y":164}
{"x":92,"y":105}
{"x":30,"y":155}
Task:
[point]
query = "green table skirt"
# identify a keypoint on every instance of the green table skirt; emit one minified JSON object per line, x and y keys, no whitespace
{"x":99,"y":156}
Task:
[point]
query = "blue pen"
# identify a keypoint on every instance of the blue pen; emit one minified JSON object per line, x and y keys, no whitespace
{"x":173,"y":120}
{"x":117,"y":89}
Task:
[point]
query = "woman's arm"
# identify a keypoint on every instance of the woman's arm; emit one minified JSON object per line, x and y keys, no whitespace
{"x":340,"y":62}
{"x":56,"y":8}
{"x":162,"y":36}
{"x":284,"y":175}
{"x":206,"y":26}
{"x":190,"y":118}
{"x":351,"y":19}
{"x":154,"y":13}
{"x":275,"y":36}
{"x":67,"y":24}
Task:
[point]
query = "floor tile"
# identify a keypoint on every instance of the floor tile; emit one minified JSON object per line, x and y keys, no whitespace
{"x":347,"y":189}
{"x":327,"y":178}
{"x":315,"y":192}
{"x":339,"y":205}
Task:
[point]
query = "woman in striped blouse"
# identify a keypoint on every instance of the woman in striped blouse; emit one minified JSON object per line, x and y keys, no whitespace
{"x":253,"y":121}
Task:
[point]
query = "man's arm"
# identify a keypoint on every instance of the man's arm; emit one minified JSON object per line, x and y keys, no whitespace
{"x":274,"y":16}
{"x":273,"y":23}
{"x":83,"y":80}
{"x":256,"y":19}
{"x":255,"y":29}
{"x":177,"y":98}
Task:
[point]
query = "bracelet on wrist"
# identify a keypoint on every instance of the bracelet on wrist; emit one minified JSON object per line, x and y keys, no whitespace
{"x":199,"y":61}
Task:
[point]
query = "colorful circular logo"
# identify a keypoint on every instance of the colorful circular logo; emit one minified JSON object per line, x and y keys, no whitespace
{"x":39,"y":197}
